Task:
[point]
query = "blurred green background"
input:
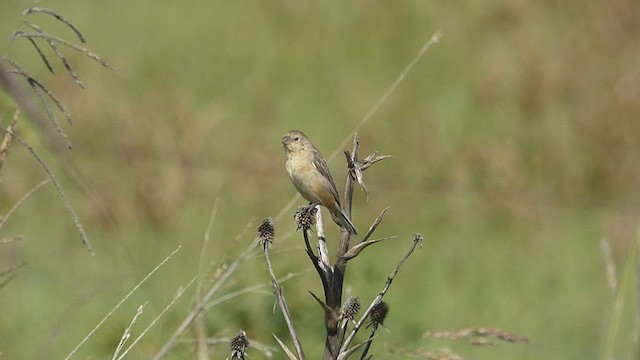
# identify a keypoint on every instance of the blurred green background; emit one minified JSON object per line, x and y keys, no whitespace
{"x":517,"y":145}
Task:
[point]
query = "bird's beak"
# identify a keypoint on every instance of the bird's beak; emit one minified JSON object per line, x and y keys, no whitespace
{"x":285,"y":140}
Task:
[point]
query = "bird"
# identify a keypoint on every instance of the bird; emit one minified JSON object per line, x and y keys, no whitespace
{"x":310,"y":175}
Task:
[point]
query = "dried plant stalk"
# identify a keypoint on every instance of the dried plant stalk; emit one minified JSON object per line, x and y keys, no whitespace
{"x":62,"y":19}
{"x":8,"y":137}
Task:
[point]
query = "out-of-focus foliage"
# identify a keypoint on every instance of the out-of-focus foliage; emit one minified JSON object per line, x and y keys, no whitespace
{"x":517,"y":145}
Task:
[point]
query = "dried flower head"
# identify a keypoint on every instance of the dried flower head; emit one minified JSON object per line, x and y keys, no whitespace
{"x":266,"y":232}
{"x":350,"y":308}
{"x":379,"y":313}
{"x":305,"y":217}
{"x":239,"y":345}
{"x":417,"y":237}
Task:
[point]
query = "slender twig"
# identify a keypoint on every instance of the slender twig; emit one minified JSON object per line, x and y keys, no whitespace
{"x":320,"y":302}
{"x":284,"y":347}
{"x":37,"y":9}
{"x":25,"y":102}
{"x":153,"y":322}
{"x":56,"y":184}
{"x":351,"y":350}
{"x":40,"y":90}
{"x":417,"y":240}
{"x":356,"y":250}
{"x":12,"y":269}
{"x":277,"y":290}
{"x":42,"y":56}
{"x":57,"y":51}
{"x":34,"y":83}
{"x":201,"y":305}
{"x":365,"y":242}
{"x":20,"y":34}
{"x":202,"y":350}
{"x":435,"y":38}
{"x":7,"y":139}
{"x":127,"y":332}
{"x":375,"y":224}
{"x":8,"y":279}
{"x":22,"y":199}
{"x":249,"y":289}
{"x":122,"y":301}
{"x":367,"y":343}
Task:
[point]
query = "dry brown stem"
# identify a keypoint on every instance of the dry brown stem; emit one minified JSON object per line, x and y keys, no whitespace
{"x":277,"y":290}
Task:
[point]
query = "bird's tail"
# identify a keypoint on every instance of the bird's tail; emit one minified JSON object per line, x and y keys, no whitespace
{"x":340,"y":218}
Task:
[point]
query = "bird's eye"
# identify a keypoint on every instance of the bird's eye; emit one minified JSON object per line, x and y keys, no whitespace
{"x":296,"y":138}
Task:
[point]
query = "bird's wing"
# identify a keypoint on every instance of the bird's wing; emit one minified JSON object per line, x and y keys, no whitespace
{"x":321,"y":165}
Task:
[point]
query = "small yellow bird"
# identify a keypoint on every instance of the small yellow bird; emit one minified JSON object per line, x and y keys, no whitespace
{"x":310,"y":175}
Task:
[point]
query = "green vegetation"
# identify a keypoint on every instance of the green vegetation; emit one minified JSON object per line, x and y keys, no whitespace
{"x":517,"y":145}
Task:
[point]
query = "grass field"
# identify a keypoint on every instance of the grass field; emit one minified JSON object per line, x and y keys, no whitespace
{"x":516,"y":142}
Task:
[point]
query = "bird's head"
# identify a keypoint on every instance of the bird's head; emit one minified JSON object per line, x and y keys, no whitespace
{"x":295,"y":140}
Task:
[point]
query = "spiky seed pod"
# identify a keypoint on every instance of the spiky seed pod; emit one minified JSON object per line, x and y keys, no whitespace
{"x":266,"y":231}
{"x":350,"y":308}
{"x":379,"y":313}
{"x":239,"y":345}
{"x":305,"y":217}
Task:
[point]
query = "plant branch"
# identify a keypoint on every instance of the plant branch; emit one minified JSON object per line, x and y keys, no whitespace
{"x":435,"y":38}
{"x":22,"y":199}
{"x":322,"y":273}
{"x":23,"y":100}
{"x":357,"y":249}
{"x":37,"y":9}
{"x":7,"y":139}
{"x":277,"y":290}
{"x":56,"y":184}
{"x":201,"y":305}
{"x":122,"y":301}
{"x":21,"y":34}
{"x":417,"y":240}
{"x":323,"y":250}
{"x":56,"y":50}
{"x":179,"y":294}
{"x":285,"y":348}
{"x":369,"y":341}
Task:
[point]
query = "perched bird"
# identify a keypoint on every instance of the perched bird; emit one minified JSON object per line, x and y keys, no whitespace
{"x":310,"y":175}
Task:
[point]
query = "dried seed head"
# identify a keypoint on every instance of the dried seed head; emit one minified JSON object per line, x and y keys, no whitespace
{"x":305,"y":217}
{"x":239,"y":345}
{"x":350,"y":308}
{"x":266,"y":231}
{"x":379,"y":313}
